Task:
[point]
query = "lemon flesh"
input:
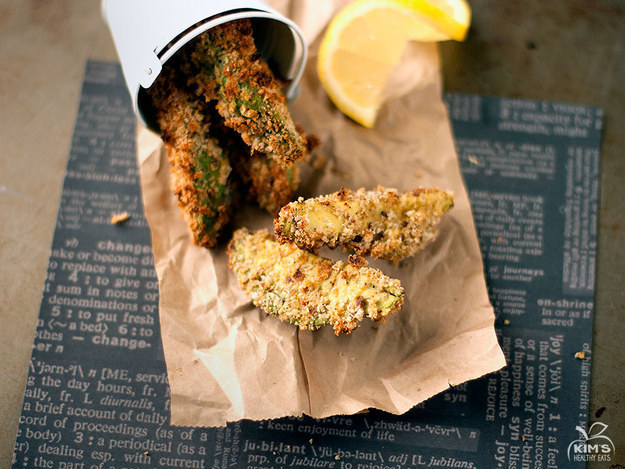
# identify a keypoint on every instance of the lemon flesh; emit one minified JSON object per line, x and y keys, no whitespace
{"x":365,"y":41}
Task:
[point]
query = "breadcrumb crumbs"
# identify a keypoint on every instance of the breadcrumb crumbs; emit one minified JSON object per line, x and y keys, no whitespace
{"x":382,"y":223}
{"x":299,"y":287}
{"x":119,"y":218}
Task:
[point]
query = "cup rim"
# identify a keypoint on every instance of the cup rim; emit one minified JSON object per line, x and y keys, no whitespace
{"x":141,"y":76}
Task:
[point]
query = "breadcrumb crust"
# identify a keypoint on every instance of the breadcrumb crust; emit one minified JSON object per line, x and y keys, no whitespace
{"x":249,"y":98}
{"x":311,"y":291}
{"x":381,"y":223}
{"x":199,"y":168}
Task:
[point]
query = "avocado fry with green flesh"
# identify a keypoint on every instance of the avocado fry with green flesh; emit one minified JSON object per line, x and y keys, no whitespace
{"x":382,"y":223}
{"x":249,"y":98}
{"x":302,"y":288}
{"x":199,"y":167}
{"x":269,"y":183}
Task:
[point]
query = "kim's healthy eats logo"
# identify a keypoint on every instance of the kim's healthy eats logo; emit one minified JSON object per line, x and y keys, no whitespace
{"x":591,"y":446}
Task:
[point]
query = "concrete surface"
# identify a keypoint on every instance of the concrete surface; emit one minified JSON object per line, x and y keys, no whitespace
{"x":571,"y":51}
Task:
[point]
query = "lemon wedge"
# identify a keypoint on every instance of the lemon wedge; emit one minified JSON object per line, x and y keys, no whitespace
{"x":366,"y":39}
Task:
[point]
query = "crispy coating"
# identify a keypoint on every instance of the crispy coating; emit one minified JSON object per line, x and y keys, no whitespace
{"x":199,"y":167}
{"x":269,"y":183}
{"x":223,"y":71}
{"x":381,"y":223}
{"x":304,"y":289}
{"x":250,"y":98}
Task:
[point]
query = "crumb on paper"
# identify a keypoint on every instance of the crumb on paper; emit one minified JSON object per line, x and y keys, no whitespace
{"x":500,"y":240}
{"x":473,"y":160}
{"x":418,"y":174}
{"x":580,"y":355}
{"x":310,"y":441}
{"x":119,"y":218}
{"x":506,"y":321}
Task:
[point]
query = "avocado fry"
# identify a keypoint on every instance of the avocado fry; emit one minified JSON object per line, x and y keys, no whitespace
{"x":249,"y":98}
{"x":302,"y":288}
{"x":199,"y":167}
{"x":269,"y":183}
{"x":382,"y":223}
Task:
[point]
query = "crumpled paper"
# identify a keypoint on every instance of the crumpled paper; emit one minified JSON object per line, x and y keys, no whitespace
{"x":227,"y":360}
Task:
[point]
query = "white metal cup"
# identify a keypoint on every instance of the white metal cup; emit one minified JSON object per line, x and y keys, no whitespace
{"x":147,"y":33}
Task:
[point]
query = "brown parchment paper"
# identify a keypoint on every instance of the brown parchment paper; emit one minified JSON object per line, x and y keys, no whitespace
{"x":226,"y":360}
